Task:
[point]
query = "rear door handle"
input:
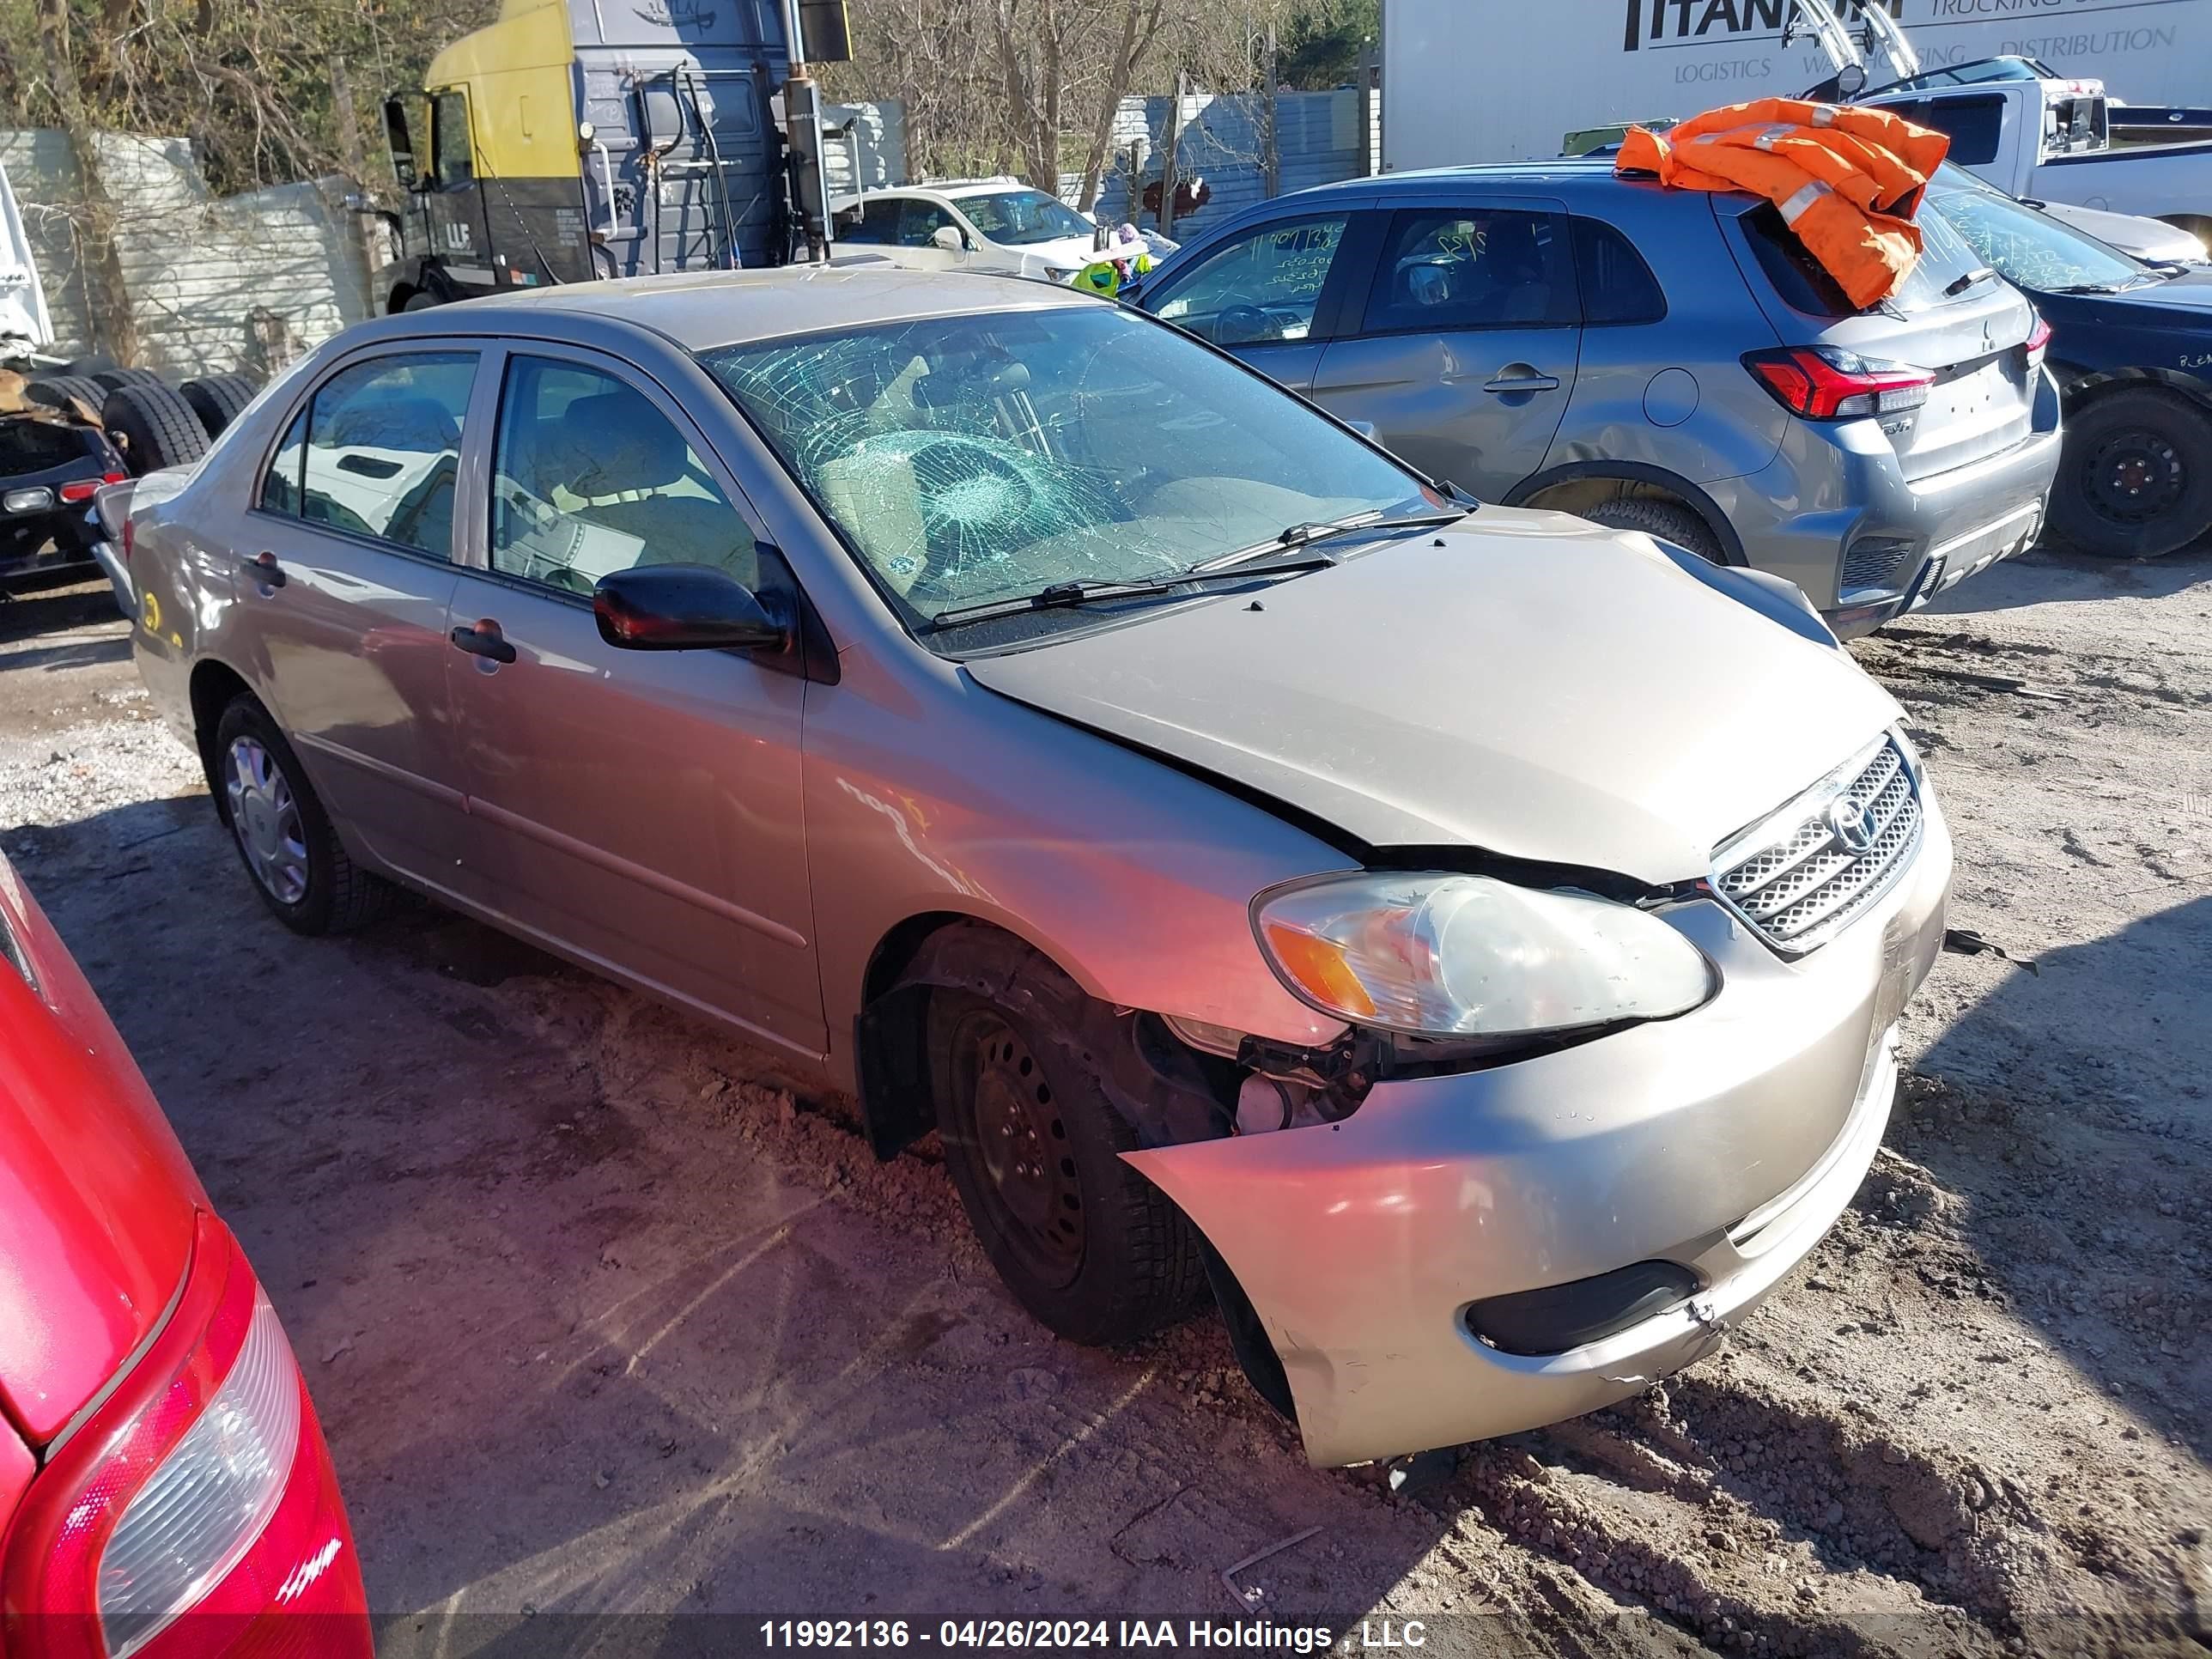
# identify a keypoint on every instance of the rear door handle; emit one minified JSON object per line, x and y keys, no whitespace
{"x":484,"y":639}
{"x":264,"y":569}
{"x":1526,"y":380}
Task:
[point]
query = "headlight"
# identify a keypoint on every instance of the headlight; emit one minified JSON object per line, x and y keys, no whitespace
{"x":1440,"y":955}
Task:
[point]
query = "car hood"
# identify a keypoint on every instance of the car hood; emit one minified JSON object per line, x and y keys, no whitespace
{"x":2147,"y":239}
{"x":1074,"y":252}
{"x":2188,"y":295}
{"x":1524,"y":685}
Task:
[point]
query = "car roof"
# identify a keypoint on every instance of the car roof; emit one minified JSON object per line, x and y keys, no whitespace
{"x":1572,"y":178}
{"x":1563,"y":172}
{"x":700,"y":310}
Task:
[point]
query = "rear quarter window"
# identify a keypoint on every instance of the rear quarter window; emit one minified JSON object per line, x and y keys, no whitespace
{"x":1805,"y":286}
{"x":1617,"y":286}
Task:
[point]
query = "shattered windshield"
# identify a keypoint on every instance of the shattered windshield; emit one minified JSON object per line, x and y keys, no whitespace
{"x":973,"y":458}
{"x":2032,"y":248}
{"x":1018,"y":217}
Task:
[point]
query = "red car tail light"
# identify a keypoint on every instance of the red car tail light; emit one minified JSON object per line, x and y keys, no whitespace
{"x":196,"y":1501}
{"x":2038,"y":341}
{"x":1826,"y":383}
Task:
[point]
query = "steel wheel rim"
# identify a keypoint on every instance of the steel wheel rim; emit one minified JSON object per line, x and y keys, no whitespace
{"x":265,"y":816}
{"x":1012,"y":1118}
{"x":2135,"y":477}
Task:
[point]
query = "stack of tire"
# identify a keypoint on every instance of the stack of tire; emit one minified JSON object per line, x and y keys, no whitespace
{"x":152,"y":423}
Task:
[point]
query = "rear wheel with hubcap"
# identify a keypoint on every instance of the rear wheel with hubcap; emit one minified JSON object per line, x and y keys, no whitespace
{"x":283,"y":836}
{"x":2135,"y":478}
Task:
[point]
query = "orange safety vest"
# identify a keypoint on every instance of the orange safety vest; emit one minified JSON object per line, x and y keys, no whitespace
{"x":1847,"y":178}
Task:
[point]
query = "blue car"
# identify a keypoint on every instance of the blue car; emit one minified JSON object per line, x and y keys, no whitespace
{"x":2131,"y":345}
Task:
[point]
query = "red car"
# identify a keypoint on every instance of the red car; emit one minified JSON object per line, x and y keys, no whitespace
{"x":164,"y":1486}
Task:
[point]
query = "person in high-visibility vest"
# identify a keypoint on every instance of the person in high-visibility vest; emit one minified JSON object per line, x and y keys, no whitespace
{"x":1847,"y":179}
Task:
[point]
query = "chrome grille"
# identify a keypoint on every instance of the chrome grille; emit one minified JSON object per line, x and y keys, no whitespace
{"x":1798,"y":878}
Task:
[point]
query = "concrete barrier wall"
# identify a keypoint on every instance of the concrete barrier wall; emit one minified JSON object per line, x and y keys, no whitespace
{"x":215,"y":283}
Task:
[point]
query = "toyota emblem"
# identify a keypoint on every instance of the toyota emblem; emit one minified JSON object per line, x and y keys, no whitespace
{"x":1852,"y":824}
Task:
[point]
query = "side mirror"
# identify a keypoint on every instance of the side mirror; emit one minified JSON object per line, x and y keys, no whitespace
{"x":686,"y":607}
{"x":949,"y":238}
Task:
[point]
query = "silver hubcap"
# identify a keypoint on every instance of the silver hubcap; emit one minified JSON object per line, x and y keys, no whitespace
{"x":264,"y":816}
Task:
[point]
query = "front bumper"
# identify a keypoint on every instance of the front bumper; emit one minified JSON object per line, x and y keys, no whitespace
{"x":1726,"y":1141}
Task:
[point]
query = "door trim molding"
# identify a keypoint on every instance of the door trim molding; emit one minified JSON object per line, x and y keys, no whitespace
{"x":545,"y":835}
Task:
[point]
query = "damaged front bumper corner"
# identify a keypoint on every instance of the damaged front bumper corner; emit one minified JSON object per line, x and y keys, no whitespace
{"x":1711,"y":1151}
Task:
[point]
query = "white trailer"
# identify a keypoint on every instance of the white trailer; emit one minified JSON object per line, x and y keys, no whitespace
{"x":1499,"y":81}
{"x":26,"y":328}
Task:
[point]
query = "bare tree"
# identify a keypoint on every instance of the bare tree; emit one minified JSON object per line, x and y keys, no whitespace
{"x":110,"y":299}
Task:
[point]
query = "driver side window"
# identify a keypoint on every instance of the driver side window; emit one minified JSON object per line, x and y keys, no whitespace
{"x":1260,"y":288}
{"x":589,"y":477}
{"x":452,"y":162}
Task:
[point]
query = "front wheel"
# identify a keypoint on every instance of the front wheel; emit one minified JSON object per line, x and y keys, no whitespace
{"x":2135,"y":480}
{"x":283,"y":835}
{"x":1096,"y":1252}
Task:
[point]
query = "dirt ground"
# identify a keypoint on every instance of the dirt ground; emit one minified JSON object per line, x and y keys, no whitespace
{"x":602,"y":1321}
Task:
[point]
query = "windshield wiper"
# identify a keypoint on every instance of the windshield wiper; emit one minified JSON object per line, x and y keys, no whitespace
{"x":1960,"y":284}
{"x":2094,"y":287}
{"x":1067,"y":596}
{"x":1308,"y":532}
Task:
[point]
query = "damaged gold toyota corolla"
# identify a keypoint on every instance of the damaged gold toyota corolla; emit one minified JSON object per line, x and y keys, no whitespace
{"x":1467,"y":942}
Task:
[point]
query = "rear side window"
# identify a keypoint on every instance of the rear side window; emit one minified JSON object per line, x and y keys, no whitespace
{"x":1945,"y":259}
{"x":1975,"y":124}
{"x":35,"y":446}
{"x":280,"y":485}
{"x":378,"y":451}
{"x":1471,"y":268}
{"x":1617,"y":286}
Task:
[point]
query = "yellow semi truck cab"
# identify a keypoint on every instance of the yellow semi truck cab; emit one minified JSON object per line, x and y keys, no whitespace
{"x":571,"y":139}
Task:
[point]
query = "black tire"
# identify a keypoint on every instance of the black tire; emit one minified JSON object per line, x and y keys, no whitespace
{"x":116,"y":378}
{"x":218,"y":400}
{"x":333,"y":895}
{"x":154,"y":427}
{"x":59,"y":391}
{"x":422,"y":299}
{"x":2135,"y":478}
{"x":1664,"y":520}
{"x":1096,"y":1252}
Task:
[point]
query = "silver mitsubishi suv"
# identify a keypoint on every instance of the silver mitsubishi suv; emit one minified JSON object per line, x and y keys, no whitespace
{"x":1549,"y":334}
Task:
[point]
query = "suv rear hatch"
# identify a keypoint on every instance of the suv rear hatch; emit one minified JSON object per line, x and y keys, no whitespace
{"x":1952,"y":316}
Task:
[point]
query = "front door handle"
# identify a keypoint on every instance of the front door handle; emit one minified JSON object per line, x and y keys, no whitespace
{"x":1520,"y":377}
{"x":484,"y":639}
{"x":264,"y":569}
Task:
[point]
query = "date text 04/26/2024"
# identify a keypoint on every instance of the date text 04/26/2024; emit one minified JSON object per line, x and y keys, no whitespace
{"x":1096,"y":1635}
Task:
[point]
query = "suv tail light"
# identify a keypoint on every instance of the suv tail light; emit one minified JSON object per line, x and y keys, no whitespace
{"x":1826,"y":383}
{"x":83,"y":490}
{"x":200,"y":1486}
{"x":2038,"y":342}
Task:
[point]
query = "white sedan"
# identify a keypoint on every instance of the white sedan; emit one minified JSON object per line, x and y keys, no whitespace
{"x":1000,"y":226}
